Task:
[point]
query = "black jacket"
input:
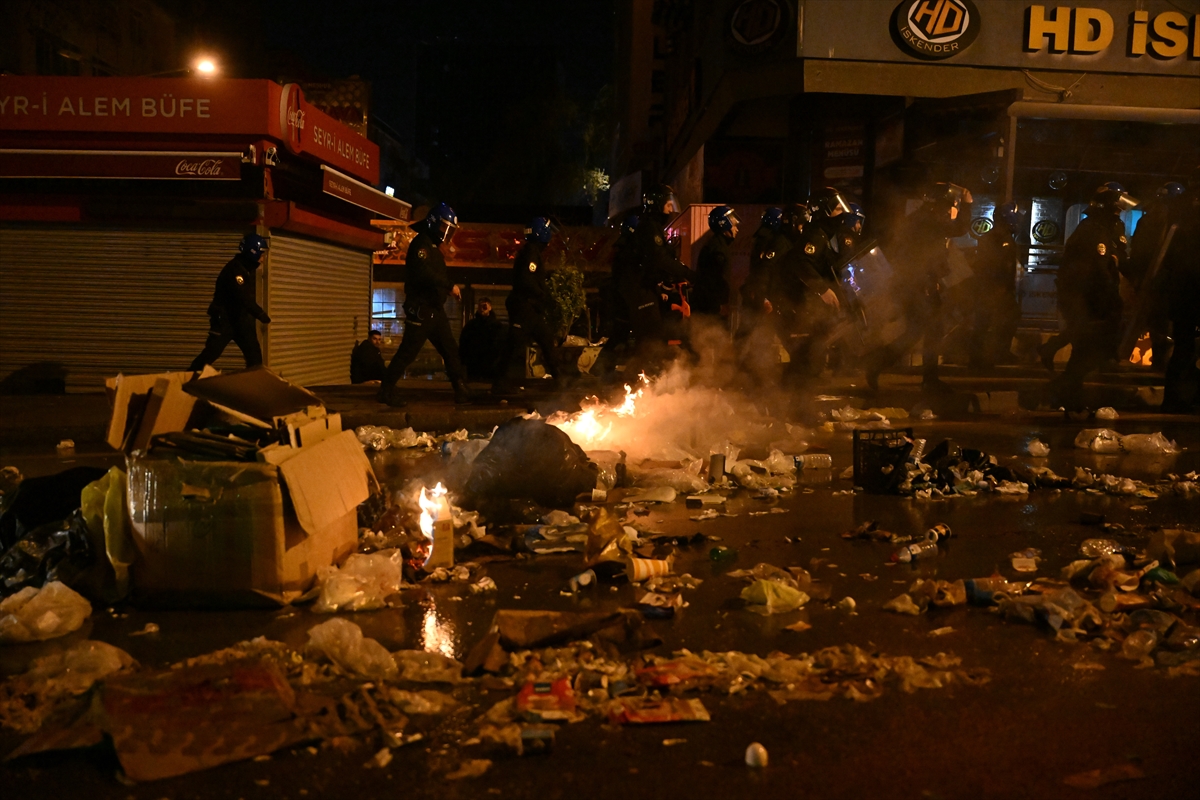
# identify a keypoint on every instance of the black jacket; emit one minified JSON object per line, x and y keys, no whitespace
{"x":1089,"y":279}
{"x":366,"y":363}
{"x":996,"y":258}
{"x":236,"y":291}
{"x":530,"y":292}
{"x":711,"y":291}
{"x":656,"y":259}
{"x":426,"y":280}
{"x":480,"y":345}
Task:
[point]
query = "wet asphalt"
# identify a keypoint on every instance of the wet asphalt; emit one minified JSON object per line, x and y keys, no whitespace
{"x":1038,"y":720}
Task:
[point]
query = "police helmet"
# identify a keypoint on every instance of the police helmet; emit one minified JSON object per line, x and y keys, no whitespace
{"x":660,"y":199}
{"x":948,"y":195}
{"x":1113,"y":198}
{"x":772,"y":218}
{"x":254,"y":246}
{"x":723,"y":219}
{"x":828,"y":202}
{"x":440,"y":222}
{"x":855,"y":218}
{"x":1009,"y":213}
{"x":541,"y":230}
{"x":1169,"y":191}
{"x":796,"y":216}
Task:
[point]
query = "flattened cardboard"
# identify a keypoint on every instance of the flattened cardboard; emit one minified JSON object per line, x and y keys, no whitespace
{"x":327,"y":480}
{"x":257,"y":393}
{"x":130,"y":396}
{"x":167,"y":410}
{"x":311,"y":432}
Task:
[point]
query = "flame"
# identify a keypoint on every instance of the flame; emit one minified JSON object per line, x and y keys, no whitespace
{"x":589,"y":428}
{"x":431,"y":504}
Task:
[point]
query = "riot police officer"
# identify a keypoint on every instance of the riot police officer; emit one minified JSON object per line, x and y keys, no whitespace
{"x":529,"y":305}
{"x":426,"y":287}
{"x":1089,"y":295}
{"x":850,"y":233}
{"x":921,"y":253}
{"x":1181,"y":285}
{"x":658,"y":269}
{"x":996,"y":312}
{"x":235,"y":307}
{"x":617,"y":298}
{"x":1144,"y":246}
{"x":710,"y":297}
{"x":753,"y":292}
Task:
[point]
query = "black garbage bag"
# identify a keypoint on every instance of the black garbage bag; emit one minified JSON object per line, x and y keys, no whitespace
{"x":43,"y":500}
{"x":57,"y":551}
{"x":528,"y":459}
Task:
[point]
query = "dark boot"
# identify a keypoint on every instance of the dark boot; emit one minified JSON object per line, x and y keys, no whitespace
{"x":461,"y":394}
{"x":388,"y":395}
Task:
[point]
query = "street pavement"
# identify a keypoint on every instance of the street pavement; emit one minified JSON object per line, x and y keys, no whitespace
{"x":1049,"y":710}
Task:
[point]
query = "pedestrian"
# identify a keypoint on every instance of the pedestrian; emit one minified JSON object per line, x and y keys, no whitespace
{"x":366,"y":360}
{"x":234,"y":307}
{"x":481,"y":345}
{"x":710,"y":295}
{"x":1089,"y":296}
{"x":921,"y":255}
{"x":529,"y":306}
{"x":996,"y":312}
{"x":426,"y":286}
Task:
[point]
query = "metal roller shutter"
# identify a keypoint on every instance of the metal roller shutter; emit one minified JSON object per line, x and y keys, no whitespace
{"x":319,"y":299}
{"x":95,"y":302}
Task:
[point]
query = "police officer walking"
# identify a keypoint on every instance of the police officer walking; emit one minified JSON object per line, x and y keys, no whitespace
{"x":710,"y":295}
{"x":996,"y":313}
{"x":426,"y":287}
{"x":658,"y":270}
{"x":529,"y":306}
{"x":1144,"y":246}
{"x":235,"y":307}
{"x":1089,"y":297}
{"x":754,"y":290}
{"x":922,"y":257}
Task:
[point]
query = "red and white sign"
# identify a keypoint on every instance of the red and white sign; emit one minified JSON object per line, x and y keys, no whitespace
{"x":363,"y":196}
{"x":191,"y":106}
{"x":121,"y":165}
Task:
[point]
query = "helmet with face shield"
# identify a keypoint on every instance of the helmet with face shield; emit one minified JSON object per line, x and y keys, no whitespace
{"x":441,"y":222}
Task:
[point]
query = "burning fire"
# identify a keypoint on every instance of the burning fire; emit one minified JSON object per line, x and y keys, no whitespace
{"x":431,"y":503}
{"x":588,"y":428}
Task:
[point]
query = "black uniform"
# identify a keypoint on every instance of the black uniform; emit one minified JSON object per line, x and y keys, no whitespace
{"x":1089,"y":299}
{"x":996,"y":312}
{"x":615,"y":294}
{"x":1180,"y":276}
{"x":754,"y":289}
{"x":366,"y":363}
{"x":1144,"y":247}
{"x":481,"y":346}
{"x":657,"y":265}
{"x":921,"y":254}
{"x":710,"y":294}
{"x":528,"y":307}
{"x":232,"y":313}
{"x":426,"y":286}
{"x":804,"y":272}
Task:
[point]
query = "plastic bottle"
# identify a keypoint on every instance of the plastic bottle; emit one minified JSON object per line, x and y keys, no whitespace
{"x":814,"y":461}
{"x":912,"y":552}
{"x":1139,"y":645}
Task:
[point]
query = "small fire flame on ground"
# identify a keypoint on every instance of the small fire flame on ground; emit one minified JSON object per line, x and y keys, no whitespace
{"x":591,"y":427}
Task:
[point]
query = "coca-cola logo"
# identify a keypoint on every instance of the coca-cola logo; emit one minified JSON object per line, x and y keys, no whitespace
{"x":208,"y":168}
{"x":291,"y":117}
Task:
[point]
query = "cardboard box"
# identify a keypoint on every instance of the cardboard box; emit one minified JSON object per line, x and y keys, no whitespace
{"x":147,"y":405}
{"x":217,"y":533}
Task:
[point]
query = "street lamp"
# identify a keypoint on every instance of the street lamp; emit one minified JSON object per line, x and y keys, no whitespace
{"x":204,"y":67}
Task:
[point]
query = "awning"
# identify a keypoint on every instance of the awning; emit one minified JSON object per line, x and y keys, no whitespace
{"x":360,"y":194}
{"x":1034,"y":110}
{"x":121,"y":165}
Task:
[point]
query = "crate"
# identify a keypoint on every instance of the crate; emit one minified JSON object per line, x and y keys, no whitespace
{"x":877,"y":450}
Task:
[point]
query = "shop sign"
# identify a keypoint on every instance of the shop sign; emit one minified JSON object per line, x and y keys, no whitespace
{"x":359,"y":194}
{"x":755,"y":26}
{"x":935,"y":29}
{"x":120,"y":165}
{"x":189,"y":106}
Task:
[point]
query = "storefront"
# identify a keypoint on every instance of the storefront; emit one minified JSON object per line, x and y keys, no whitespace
{"x":121,"y":199}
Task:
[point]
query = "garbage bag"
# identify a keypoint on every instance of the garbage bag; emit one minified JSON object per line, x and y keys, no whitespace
{"x":343,"y":643}
{"x":1099,"y":440}
{"x":363,"y":583}
{"x":34,"y":614}
{"x":532,"y":460}
{"x":59,"y":551}
{"x":38,"y":501}
{"x":1148,"y":444}
{"x":36,"y":694}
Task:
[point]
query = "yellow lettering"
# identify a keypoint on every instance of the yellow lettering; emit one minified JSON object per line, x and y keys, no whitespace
{"x":118,"y":104}
{"x":948,"y":20}
{"x":1171,"y":29}
{"x":1057,"y":28}
{"x":927,"y":13}
{"x":1137,"y":33}
{"x":1196,"y":36}
{"x":65,"y":108}
{"x":1082,"y":41}
{"x":148,"y":108}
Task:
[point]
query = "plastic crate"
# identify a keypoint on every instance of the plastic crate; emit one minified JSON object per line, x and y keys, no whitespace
{"x":879,"y":458}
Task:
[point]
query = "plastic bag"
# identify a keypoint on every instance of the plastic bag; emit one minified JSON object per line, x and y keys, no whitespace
{"x":33,"y":614}
{"x":59,"y":551}
{"x":608,"y":462}
{"x":772,"y":597}
{"x":1038,"y":449}
{"x":1099,"y":440}
{"x":422,"y":667}
{"x":529,"y":459}
{"x":342,"y":642}
{"x":107,"y":517}
{"x":363,"y":583}
{"x":381,"y":437}
{"x":1148,"y":444}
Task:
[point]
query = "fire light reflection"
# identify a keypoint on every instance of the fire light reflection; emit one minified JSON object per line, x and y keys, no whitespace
{"x":437,"y":632}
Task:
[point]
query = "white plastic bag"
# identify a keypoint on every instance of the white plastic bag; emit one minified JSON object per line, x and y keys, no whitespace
{"x":1039,"y":449}
{"x":1099,"y":440}
{"x":33,"y":615}
{"x":363,"y":583}
{"x":342,"y":642}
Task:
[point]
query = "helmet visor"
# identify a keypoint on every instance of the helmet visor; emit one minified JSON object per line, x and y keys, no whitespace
{"x":1126,"y":202}
{"x":670,"y":204}
{"x":445,"y":229}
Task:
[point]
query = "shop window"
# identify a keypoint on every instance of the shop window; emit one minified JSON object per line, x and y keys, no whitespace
{"x":387,"y":313}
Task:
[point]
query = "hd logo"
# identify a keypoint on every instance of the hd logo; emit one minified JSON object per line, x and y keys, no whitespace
{"x":935,"y":29}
